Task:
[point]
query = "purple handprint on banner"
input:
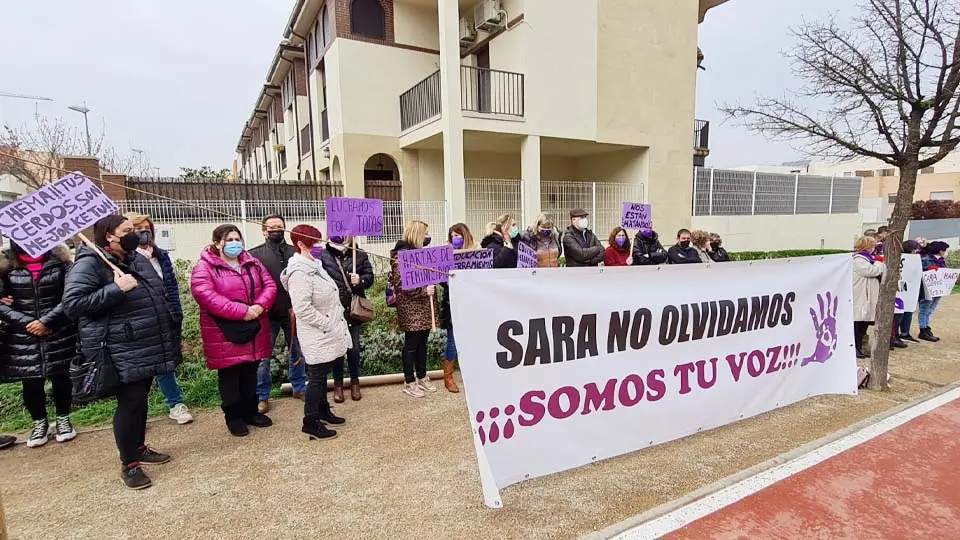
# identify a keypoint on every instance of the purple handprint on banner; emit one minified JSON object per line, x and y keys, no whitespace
{"x":825,"y":323}
{"x":898,"y":304}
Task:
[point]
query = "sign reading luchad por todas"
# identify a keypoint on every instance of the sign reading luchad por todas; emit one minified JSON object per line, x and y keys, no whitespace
{"x":620,"y":361}
{"x":39,"y":221}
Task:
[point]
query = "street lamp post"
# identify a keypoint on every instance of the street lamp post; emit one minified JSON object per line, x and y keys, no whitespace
{"x":82,"y":109}
{"x":139,"y":152}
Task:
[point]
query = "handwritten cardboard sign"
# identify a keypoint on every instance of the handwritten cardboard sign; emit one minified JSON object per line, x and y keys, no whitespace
{"x":39,"y":221}
{"x":354,"y":217}
{"x":940,"y":282}
{"x":526,"y":256}
{"x":474,"y":259}
{"x":636,"y":216}
{"x":422,"y":267}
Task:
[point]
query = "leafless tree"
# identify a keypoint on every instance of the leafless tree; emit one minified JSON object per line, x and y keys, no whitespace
{"x":33,"y":153}
{"x":884,"y":87}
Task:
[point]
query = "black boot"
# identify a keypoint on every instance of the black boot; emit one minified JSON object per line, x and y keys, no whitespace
{"x":930,"y":330}
{"x":326,"y":415}
{"x":908,"y":337}
{"x":253,"y":417}
{"x":315,"y":429}
{"x":235,"y":423}
{"x":897,"y":343}
{"x":927,"y":335}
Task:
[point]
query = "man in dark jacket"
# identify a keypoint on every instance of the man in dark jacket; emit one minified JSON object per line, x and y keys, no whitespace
{"x":717,"y":253}
{"x":339,"y":264}
{"x":580,"y":245}
{"x":275,"y":253}
{"x":682,"y":252}
{"x":647,"y":249}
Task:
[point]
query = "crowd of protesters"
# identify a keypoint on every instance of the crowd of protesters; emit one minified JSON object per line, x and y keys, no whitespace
{"x":119,"y":303}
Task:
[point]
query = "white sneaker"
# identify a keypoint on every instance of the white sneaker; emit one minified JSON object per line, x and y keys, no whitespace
{"x":65,"y":431}
{"x":412,"y":390}
{"x":40,"y":434}
{"x":181,"y":414}
{"x":425,"y":385}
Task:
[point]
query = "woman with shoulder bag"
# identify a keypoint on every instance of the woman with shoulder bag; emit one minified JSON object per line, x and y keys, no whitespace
{"x":124,"y":323}
{"x":234,"y":291}
{"x":352,"y":272}
{"x":321,"y":326}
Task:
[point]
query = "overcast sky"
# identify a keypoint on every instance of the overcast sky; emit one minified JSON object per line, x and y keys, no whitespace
{"x":177,"y":78}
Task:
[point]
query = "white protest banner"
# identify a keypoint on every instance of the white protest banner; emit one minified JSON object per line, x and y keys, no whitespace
{"x":908,"y":291}
{"x":629,"y":357}
{"x":939,"y":282}
{"x":39,"y":221}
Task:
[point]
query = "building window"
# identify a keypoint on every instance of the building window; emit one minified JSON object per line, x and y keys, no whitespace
{"x":887,"y":172}
{"x":864,"y":174}
{"x":941,"y":195}
{"x":926,"y":170}
{"x":312,"y":48}
{"x":288,"y":89}
{"x":892,"y":198}
{"x":367,"y":19}
{"x":848,"y":173}
{"x":325,"y":25}
{"x":282,"y":159}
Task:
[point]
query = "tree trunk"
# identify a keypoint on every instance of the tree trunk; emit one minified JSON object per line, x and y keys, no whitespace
{"x":892,"y":250}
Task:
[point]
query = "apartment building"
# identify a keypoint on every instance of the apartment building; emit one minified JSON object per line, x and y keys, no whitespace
{"x":491,"y":106}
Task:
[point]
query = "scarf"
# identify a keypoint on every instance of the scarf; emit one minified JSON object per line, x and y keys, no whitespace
{"x":33,"y":264}
{"x":870,"y":257}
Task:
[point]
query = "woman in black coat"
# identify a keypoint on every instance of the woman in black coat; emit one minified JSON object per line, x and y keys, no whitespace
{"x":338,"y":262}
{"x":502,"y":237}
{"x":40,"y":339}
{"x":127,"y":318}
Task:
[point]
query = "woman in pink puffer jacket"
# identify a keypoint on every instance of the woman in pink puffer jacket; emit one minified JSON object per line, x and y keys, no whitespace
{"x":234,"y":292}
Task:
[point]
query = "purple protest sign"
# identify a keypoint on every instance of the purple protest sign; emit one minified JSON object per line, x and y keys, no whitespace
{"x":636,"y":216}
{"x":354,"y":217}
{"x":422,"y":267}
{"x":526,"y":256}
{"x":39,"y":221}
{"x":474,"y":259}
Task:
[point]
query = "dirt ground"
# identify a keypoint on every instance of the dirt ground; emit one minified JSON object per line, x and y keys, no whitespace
{"x":401,"y":469}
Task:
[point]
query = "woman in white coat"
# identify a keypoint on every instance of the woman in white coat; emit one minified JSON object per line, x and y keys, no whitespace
{"x":867,"y":273}
{"x":321,"y":329}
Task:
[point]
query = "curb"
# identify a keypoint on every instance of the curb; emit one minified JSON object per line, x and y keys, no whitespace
{"x":630,"y":523}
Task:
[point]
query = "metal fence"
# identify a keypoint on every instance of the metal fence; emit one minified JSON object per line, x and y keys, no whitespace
{"x":487,"y":199}
{"x":420,"y":103}
{"x":718,"y":192}
{"x":491,"y":91}
{"x":207,"y":189}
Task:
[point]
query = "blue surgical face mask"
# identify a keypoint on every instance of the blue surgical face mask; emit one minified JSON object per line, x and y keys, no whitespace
{"x":233,"y":248}
{"x":514,"y":231}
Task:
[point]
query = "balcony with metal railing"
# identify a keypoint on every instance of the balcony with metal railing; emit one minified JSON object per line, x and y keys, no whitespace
{"x":701,"y":142}
{"x":482,"y":90}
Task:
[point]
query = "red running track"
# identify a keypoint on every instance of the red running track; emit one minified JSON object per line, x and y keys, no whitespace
{"x":903,"y":484}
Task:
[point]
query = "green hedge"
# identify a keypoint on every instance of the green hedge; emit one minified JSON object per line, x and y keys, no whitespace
{"x":784,"y":254}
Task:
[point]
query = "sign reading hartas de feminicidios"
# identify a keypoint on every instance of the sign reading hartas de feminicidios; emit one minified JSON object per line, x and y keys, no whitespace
{"x":39,"y":221}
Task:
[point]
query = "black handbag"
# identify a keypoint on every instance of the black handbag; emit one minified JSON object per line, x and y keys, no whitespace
{"x":93,"y":378}
{"x":240,"y":332}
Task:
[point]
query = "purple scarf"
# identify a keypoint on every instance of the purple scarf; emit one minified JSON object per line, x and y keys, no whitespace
{"x":870,"y":257}
{"x":878,"y":250}
{"x":941,"y":263}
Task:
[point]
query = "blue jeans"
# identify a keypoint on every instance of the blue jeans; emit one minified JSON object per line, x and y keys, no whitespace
{"x":171,"y":389}
{"x":298,"y":370}
{"x":451,"y":352}
{"x":906,"y":320}
{"x":925,"y":311}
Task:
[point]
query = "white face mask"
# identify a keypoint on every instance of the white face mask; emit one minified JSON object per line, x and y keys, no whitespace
{"x":583,"y":224}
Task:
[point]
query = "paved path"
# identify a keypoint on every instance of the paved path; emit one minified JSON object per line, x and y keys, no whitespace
{"x":898,"y":479}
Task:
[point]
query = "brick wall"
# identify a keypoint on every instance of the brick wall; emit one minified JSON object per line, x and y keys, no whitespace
{"x":115,"y":186}
{"x":341,"y":21}
{"x":300,"y":76}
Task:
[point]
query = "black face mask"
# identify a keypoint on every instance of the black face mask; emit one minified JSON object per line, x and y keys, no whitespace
{"x":275,"y":236}
{"x":685,"y":245}
{"x":129,"y":242}
{"x":146,"y":238}
{"x":426,"y":241}
{"x":715,"y":245}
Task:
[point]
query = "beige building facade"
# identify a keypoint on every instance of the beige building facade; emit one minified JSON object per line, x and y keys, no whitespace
{"x":490,"y":106}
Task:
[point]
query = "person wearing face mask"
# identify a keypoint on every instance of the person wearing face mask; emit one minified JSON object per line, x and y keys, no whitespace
{"x":618,"y":250}
{"x":274,"y":254}
{"x":322,"y":329}
{"x":502,"y":237}
{"x":682,"y":252}
{"x":932,"y":258}
{"x":580,"y":246}
{"x":163,"y":265}
{"x":647,"y":249}
{"x":234,"y":292}
{"x":542,"y":237}
{"x":414,"y":314}
{"x":461,"y":239}
{"x":125,"y":316}
{"x":338,"y":261}
{"x":39,"y":340}
{"x":716,"y":252}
